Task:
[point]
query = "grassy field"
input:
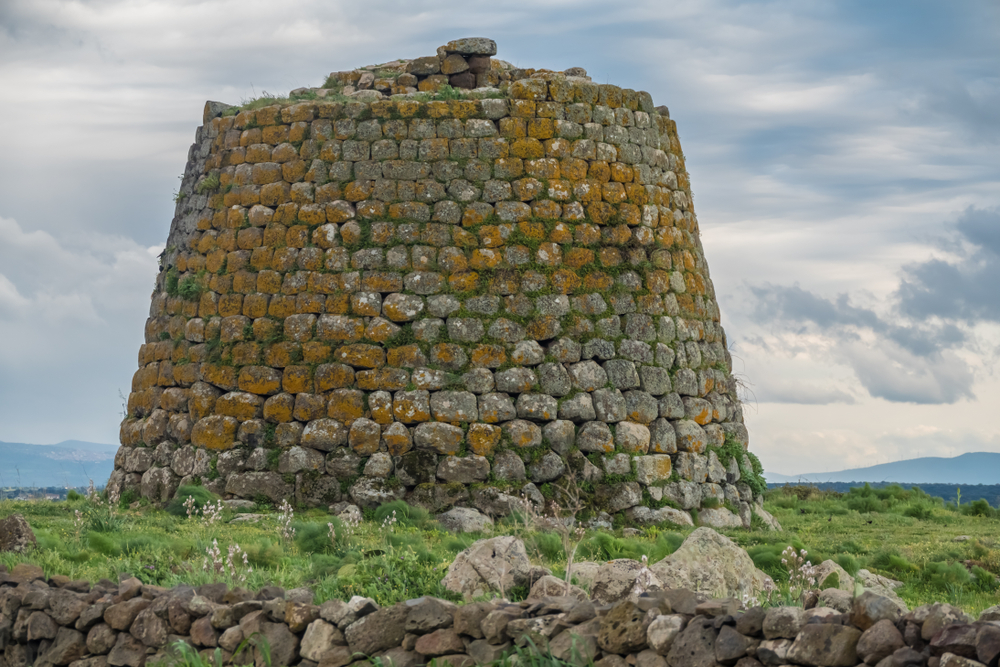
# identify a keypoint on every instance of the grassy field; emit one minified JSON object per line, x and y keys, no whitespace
{"x":398,"y":552}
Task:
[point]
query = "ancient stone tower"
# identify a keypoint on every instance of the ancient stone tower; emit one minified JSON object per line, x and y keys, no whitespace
{"x":445,"y":280}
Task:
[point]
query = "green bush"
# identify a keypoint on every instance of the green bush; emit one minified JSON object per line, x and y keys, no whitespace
{"x":979,"y":508}
{"x":943,"y":575}
{"x":919,"y":510}
{"x":314,"y":537}
{"x":865,"y":504}
{"x":406,"y":514}
{"x":848,"y":562}
{"x":201,"y":495}
{"x":889,"y":560}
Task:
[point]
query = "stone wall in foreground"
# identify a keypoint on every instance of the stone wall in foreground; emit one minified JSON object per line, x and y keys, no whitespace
{"x":452,"y":301}
{"x":56,"y":622}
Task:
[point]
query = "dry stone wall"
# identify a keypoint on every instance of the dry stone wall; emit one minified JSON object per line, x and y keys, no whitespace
{"x":59,"y":621}
{"x":452,"y":301}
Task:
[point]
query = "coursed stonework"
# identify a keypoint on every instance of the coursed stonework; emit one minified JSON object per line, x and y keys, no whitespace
{"x":452,"y":298}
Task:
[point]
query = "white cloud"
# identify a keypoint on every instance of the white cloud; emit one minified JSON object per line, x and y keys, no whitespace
{"x":71,"y":322}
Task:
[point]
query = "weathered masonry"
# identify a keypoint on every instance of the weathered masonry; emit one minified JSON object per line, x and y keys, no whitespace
{"x":446,"y":280}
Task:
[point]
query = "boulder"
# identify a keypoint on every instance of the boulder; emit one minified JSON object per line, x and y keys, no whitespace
{"x":464,"y":520}
{"x":623,"y":629}
{"x":555,"y":587}
{"x":707,"y":561}
{"x":694,"y":646}
{"x":494,"y":564}
{"x":719,"y":517}
{"x":825,"y":645}
{"x":824,"y":570}
{"x":879,"y":641}
{"x":16,"y":535}
{"x":615,"y":581}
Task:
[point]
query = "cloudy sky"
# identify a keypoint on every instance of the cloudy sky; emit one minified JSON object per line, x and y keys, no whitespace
{"x":843,"y":156}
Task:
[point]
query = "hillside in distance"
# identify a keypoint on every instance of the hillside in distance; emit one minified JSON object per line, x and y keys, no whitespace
{"x":970,"y":468}
{"x":69,"y":463}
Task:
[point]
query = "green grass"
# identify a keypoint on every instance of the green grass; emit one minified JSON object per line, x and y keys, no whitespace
{"x":900,"y":533}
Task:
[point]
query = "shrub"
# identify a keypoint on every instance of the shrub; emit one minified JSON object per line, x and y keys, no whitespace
{"x":201,"y":495}
{"x":978,"y":508}
{"x":919,"y":510}
{"x":943,"y":575}
{"x":406,"y":515}
{"x":848,"y":562}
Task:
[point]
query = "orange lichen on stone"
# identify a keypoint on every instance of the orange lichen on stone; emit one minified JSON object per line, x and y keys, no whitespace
{"x":361,"y":356}
{"x":489,"y":356}
{"x":215,"y":432}
{"x":483,"y":438}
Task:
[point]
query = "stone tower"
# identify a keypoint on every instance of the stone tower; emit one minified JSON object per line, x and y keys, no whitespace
{"x":445,"y":280}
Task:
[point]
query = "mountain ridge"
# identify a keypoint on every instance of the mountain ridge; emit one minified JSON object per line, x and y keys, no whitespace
{"x":68,"y":463}
{"x":968,"y":468}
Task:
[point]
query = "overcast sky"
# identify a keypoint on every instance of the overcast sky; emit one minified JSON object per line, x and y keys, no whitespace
{"x":844,"y":159}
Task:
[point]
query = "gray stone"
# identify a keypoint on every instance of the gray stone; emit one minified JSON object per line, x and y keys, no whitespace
{"x":523,"y":433}
{"x":565,"y":350}
{"x":631,"y":437}
{"x":369,"y":493}
{"x":506,"y":331}
{"x":707,"y":561}
{"x":640,"y":407}
{"x":644,"y":516}
{"x":783,"y":622}
{"x":465,"y":470}
{"x":578,"y":408}
{"x":16,"y":535}
{"x":621,"y":373}
{"x":609,"y":404}
{"x":297,"y":459}
{"x":494,"y":408}
{"x":537,"y":407}
{"x":465,"y":329}
{"x":825,"y":644}
{"x":690,"y":436}
{"x":507,"y":465}
{"x":561,"y":435}
{"x":719,"y":517}
{"x":380,"y":464}
{"x":495,"y":564}
{"x":478,"y":380}
{"x":515,"y":380}
{"x":549,"y":467}
{"x":587,"y":376}
{"x":662,"y":438}
{"x":598,"y":348}
{"x":464,"y":520}
{"x":454,"y":406}
{"x":671,"y":407}
{"x":615,"y":581}
{"x":554,"y":379}
{"x":618,"y":497}
{"x":595,"y":436}
{"x":663,"y":630}
{"x":654,"y":380}
{"x":528,"y":353}
{"x":438,"y":436}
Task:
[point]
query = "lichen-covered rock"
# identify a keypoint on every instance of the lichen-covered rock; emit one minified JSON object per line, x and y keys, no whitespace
{"x":708,"y":561}
{"x":494,"y":564}
{"x":16,"y":535}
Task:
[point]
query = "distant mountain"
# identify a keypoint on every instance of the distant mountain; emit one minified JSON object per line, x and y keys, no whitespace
{"x":68,"y":463}
{"x":971,"y":468}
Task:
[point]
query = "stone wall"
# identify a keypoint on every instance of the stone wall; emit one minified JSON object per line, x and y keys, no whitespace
{"x":452,"y":301}
{"x":57,"y":622}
